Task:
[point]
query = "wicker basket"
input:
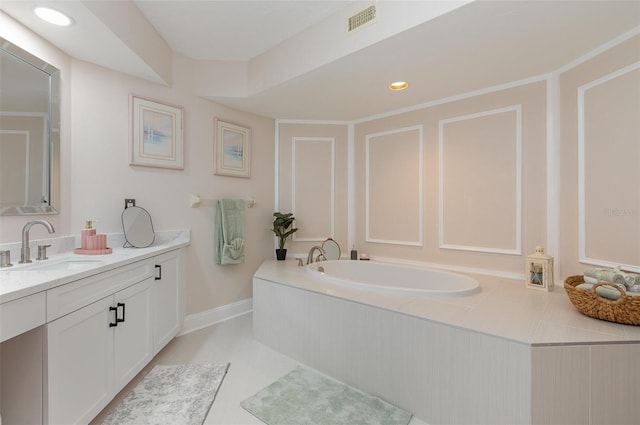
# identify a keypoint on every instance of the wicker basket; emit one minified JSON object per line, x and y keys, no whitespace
{"x":625,"y":309}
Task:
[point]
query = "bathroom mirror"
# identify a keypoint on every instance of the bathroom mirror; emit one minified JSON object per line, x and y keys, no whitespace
{"x":331,"y":249}
{"x":29,"y":133}
{"x":137,"y":226}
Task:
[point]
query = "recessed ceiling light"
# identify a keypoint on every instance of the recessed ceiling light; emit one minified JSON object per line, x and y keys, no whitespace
{"x":398,"y":85}
{"x":53,"y":16}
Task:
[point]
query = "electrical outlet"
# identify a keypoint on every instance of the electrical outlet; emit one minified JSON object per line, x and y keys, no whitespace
{"x":129,"y":203}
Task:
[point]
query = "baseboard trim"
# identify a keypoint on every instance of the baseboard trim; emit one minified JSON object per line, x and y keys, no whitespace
{"x":206,"y":318}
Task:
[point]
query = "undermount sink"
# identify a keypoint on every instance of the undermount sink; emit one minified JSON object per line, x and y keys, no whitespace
{"x":64,"y":264}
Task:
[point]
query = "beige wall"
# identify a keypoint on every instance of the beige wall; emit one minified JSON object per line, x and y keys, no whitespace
{"x":600,"y":154}
{"x":101,"y":175}
{"x":312,"y":182}
{"x":466,"y":183}
{"x":490,"y":178}
{"x":483,"y":182}
{"x":96,"y":175}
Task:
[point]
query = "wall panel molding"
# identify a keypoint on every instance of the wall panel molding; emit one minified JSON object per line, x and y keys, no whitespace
{"x":298,"y":190}
{"x":583,"y":237}
{"x":516,"y":248}
{"x":419,"y":196}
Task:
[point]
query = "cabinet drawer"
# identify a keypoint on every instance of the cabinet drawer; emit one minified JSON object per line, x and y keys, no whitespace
{"x":72,"y":296}
{"x":21,"y":315}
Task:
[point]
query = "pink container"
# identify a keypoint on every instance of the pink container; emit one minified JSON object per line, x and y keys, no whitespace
{"x":92,"y":242}
{"x":102,"y":241}
{"x":84,"y":234}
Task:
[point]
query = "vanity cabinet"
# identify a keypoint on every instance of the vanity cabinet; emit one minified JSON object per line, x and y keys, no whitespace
{"x":169,"y":298}
{"x":96,"y":346}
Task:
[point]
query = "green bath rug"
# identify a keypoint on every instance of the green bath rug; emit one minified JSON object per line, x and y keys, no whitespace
{"x":303,"y":397}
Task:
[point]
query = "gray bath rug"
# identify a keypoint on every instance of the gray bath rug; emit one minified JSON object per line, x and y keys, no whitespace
{"x":303,"y":397}
{"x":177,"y":395}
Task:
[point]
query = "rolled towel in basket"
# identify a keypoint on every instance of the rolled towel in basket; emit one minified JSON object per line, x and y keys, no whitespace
{"x":613,"y":275}
{"x":589,"y":279}
{"x":632,"y":279}
{"x":606,"y":291}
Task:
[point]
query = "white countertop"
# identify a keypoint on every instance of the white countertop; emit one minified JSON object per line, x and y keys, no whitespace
{"x":17,"y":281}
{"x":503,"y":308}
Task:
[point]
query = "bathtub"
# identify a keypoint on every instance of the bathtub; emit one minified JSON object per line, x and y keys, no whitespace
{"x":393,"y":279}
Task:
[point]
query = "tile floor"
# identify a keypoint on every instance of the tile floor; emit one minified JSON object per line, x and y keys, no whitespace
{"x":253,"y":367}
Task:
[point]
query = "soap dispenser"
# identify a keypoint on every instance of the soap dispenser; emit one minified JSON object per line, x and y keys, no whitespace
{"x":85,"y":233}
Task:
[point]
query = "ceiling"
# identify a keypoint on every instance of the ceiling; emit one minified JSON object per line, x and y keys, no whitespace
{"x":294,"y":60}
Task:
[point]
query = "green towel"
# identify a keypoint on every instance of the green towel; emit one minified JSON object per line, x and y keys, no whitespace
{"x":614,"y":275}
{"x":229,"y":232}
{"x":606,"y":291}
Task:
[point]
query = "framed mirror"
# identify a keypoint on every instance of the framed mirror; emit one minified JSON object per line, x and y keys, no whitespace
{"x":29,"y":133}
{"x":331,"y":249}
{"x":137,"y":227}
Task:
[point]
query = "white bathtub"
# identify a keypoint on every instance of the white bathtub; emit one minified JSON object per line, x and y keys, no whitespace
{"x":393,"y":279}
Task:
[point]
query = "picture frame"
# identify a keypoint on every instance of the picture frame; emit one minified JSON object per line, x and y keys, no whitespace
{"x":157,"y":134}
{"x":232,"y":151}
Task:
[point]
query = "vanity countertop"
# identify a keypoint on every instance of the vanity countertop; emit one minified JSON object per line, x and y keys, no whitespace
{"x":18,"y":281}
{"x":503,"y":308}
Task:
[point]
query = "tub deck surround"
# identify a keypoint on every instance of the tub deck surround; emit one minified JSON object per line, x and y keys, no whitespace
{"x":18,"y":281}
{"x":506,"y":355}
{"x":502,"y":307}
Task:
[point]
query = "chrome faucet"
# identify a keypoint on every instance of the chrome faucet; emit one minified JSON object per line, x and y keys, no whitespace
{"x":318,"y":258}
{"x":25,"y":252}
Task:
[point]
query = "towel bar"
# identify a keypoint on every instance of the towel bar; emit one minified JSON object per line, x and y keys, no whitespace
{"x":195,"y":201}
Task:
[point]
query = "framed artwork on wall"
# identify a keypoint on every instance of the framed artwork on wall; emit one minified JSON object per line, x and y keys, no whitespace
{"x":157,"y":135}
{"x":232,"y":152}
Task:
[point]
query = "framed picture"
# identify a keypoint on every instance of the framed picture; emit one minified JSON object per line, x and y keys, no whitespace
{"x":157,"y":137}
{"x":232,"y":153}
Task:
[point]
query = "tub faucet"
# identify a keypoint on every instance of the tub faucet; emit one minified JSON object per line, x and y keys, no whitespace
{"x":25,"y":252}
{"x":322,"y":256}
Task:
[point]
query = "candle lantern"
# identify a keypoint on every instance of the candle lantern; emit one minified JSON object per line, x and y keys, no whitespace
{"x":538,"y":271}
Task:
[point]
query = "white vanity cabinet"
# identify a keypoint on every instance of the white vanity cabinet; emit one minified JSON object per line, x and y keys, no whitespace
{"x":102,"y":330}
{"x":169,"y":297}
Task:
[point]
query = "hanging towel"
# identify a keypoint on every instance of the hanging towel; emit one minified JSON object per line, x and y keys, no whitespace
{"x":229,"y":237}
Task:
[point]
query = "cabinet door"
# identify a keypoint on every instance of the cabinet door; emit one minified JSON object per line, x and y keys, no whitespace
{"x":169,"y":298}
{"x":79,"y":364}
{"x":134,"y":332}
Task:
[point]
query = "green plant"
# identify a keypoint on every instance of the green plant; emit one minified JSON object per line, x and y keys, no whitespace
{"x":282,"y":227}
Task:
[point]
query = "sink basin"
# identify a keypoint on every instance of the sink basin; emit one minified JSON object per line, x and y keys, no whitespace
{"x":64,"y":264}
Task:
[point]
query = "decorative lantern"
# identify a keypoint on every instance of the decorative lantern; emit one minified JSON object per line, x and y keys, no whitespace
{"x":538,"y":271}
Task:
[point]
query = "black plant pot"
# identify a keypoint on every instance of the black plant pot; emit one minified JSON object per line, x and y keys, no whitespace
{"x":281,"y":254}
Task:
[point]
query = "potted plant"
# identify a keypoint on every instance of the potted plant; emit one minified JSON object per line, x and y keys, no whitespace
{"x":283,"y":228}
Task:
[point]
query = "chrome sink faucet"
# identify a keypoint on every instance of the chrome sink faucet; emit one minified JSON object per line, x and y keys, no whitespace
{"x":25,"y":252}
{"x":320,"y":257}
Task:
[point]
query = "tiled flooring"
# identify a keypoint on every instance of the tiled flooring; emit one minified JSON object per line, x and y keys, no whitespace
{"x":253,"y":367}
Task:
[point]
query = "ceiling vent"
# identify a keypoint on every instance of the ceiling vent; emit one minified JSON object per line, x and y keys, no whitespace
{"x":361,"y":18}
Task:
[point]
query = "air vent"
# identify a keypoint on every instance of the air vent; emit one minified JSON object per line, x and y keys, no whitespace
{"x":363,"y":17}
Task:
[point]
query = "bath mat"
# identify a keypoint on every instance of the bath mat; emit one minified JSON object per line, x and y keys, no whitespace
{"x":303,"y":397}
{"x":180,"y":394}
